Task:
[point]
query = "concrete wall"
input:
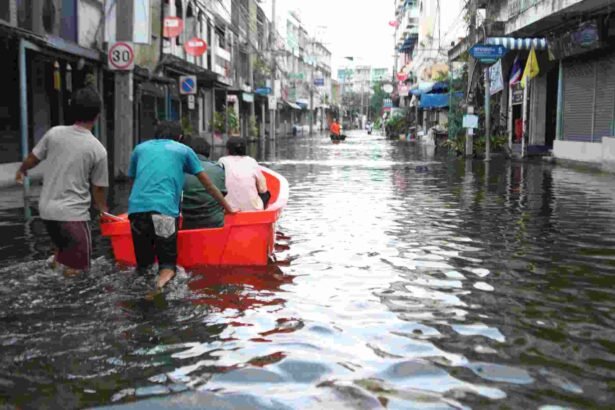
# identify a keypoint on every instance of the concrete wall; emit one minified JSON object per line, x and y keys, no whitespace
{"x":608,"y":153}
{"x":578,"y":151}
{"x":521,"y":13}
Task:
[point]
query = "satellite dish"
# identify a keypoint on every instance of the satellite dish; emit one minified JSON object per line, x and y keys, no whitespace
{"x":387,"y":88}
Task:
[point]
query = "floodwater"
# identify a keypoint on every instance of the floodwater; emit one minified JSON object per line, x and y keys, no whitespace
{"x":404,"y":279}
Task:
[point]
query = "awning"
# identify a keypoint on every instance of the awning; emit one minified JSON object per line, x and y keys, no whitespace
{"x":421,"y":88}
{"x":409,"y":43}
{"x":292,"y":105}
{"x":513,"y":43}
{"x":433,"y":101}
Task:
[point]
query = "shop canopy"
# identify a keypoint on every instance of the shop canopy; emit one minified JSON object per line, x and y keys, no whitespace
{"x":429,"y":101}
{"x":408,"y":43}
{"x":429,"y":87}
{"x":435,"y":101}
{"x":513,"y":43}
{"x":292,"y":105}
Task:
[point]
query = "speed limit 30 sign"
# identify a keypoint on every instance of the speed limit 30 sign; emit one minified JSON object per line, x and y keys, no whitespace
{"x":121,"y":56}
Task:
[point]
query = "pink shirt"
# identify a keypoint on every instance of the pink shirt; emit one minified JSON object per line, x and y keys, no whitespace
{"x":244,"y":180}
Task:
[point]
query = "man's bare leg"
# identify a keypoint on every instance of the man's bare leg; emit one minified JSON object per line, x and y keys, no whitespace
{"x":164,"y":277}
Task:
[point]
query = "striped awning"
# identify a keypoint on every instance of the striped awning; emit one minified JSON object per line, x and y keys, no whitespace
{"x":512,"y":43}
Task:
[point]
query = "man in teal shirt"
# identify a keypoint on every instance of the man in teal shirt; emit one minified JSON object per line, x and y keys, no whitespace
{"x":157,"y":169}
{"x":200,"y":209}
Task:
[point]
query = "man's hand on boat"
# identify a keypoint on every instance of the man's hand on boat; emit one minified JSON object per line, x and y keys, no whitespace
{"x":215,"y":192}
{"x":230,"y":210}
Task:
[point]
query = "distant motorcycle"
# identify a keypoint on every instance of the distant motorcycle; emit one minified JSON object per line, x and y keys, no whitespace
{"x":368,"y":127}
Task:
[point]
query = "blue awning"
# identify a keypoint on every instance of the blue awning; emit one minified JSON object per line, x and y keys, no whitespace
{"x":409,"y":43}
{"x":434,"y":101}
{"x":513,"y":43}
{"x":422,"y":88}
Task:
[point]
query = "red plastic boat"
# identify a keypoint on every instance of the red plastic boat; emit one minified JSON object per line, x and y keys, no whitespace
{"x":247,"y":238}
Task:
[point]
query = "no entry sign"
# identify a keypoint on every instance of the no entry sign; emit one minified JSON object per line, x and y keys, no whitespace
{"x":195,"y":47}
{"x":121,"y":56}
{"x":172,"y":27}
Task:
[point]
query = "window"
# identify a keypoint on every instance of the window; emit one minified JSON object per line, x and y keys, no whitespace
{"x":24,"y":14}
{"x":142,"y":23}
{"x":5,"y":11}
{"x":68,"y":28}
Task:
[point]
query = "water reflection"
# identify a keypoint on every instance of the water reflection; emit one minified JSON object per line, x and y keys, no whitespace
{"x":405,"y":279}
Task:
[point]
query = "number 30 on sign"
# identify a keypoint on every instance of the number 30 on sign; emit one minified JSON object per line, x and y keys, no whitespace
{"x":121,"y":56}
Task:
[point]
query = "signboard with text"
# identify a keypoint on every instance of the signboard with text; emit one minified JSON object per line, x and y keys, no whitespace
{"x":488,"y":53}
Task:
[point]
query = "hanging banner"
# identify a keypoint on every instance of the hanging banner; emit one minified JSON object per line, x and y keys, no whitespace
{"x":496,"y":80}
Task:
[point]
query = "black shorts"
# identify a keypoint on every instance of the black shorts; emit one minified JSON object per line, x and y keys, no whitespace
{"x":154,"y":240}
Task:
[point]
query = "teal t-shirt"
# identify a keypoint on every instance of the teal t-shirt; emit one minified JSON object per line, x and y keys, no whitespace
{"x":158,"y":167}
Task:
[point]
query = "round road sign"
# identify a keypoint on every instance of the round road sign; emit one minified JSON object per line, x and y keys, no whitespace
{"x":387,"y":88}
{"x":195,"y":47}
{"x":173,"y":27}
{"x":121,"y":56}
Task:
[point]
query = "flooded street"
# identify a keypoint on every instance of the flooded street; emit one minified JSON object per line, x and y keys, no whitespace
{"x":404,"y":279}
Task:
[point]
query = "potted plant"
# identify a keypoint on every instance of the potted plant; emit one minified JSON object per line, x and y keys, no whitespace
{"x":219,"y":122}
{"x":253,"y":128}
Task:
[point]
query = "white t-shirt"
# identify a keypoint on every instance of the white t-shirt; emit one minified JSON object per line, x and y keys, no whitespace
{"x":244,"y":180}
{"x":75,"y":159}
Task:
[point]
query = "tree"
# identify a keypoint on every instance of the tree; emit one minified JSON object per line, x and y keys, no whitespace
{"x":377,"y":100}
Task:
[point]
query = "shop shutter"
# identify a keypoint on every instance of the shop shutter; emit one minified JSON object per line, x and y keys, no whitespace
{"x":579,"y":79}
{"x":605,"y":97}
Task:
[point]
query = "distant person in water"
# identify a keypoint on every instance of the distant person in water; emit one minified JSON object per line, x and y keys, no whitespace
{"x":335,"y":128}
{"x":76,"y":172}
{"x":157,"y":170}
{"x":246,"y":184}
{"x":199,"y":208}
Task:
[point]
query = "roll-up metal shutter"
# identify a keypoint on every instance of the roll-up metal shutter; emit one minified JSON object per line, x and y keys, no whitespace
{"x":579,"y":84}
{"x":605,"y":98}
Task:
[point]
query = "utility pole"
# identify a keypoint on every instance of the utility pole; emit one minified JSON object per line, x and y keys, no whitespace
{"x":123,"y":132}
{"x":487,"y":115}
{"x":473,"y":65}
{"x":272,"y":110}
{"x":311,"y":85}
{"x":252,"y":17}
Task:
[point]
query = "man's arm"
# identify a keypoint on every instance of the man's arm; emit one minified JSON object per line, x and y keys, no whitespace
{"x":99,"y":195}
{"x":214,"y":192}
{"x":30,"y":162}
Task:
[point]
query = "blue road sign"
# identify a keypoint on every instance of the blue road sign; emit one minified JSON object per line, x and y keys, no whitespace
{"x":263,"y":91}
{"x":488,"y":53}
{"x":319,"y":82}
{"x":187,"y":84}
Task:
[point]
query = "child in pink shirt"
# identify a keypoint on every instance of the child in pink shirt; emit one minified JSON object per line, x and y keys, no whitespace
{"x":243,"y":177}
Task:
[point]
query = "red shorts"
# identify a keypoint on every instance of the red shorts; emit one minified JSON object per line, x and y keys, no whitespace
{"x":73,"y":243}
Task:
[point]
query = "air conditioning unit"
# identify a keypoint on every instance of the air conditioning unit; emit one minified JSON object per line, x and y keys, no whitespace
{"x":46,"y":16}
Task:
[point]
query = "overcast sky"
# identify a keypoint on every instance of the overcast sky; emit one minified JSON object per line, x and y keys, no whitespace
{"x":357,"y":28}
